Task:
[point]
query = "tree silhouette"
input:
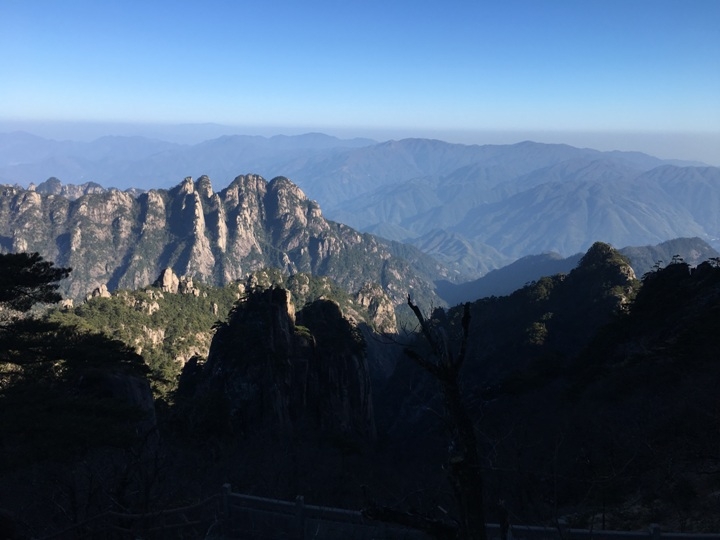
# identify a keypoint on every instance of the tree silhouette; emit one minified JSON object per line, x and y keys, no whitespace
{"x":61,"y":389}
{"x":464,"y":459}
{"x":26,"y":279}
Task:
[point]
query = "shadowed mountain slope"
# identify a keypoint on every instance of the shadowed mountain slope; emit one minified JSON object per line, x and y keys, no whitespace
{"x":503,"y":281}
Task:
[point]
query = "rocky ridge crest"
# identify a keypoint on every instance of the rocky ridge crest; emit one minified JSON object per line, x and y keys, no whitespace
{"x":272,"y":367}
{"x":122,"y":241}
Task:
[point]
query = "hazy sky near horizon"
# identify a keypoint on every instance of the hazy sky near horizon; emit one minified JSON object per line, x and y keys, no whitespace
{"x":417,"y":67}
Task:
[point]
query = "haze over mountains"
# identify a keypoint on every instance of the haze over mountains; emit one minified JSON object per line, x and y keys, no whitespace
{"x":586,"y":352}
{"x":474,"y":208}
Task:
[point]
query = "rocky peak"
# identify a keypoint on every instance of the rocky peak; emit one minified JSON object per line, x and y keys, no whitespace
{"x":152,"y":205}
{"x":285,"y":199}
{"x":282,"y":185}
{"x":186,"y":187}
{"x":99,"y":292}
{"x":204,"y":187}
{"x":167,"y":282}
{"x":53,"y":186}
{"x":603,"y":267}
{"x":602,"y":256}
{"x":186,"y":286}
{"x":287,"y":377}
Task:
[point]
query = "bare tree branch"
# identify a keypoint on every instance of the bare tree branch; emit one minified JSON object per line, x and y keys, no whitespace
{"x":464,"y":460}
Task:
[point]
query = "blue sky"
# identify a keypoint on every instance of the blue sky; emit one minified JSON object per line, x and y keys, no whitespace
{"x":420,"y":68}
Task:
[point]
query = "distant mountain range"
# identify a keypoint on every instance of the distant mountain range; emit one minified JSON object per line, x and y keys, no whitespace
{"x":473,"y":208}
{"x":504,"y":281}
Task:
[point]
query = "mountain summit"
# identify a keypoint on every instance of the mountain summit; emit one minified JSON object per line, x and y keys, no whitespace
{"x":112,"y":238}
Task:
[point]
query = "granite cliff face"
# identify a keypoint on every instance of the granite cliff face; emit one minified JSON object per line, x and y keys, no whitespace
{"x":272,"y":368}
{"x":121,"y":240}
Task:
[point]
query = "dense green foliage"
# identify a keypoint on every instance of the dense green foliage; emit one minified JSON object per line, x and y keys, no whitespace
{"x":55,"y":381}
{"x":167,"y":329}
{"x":54,"y":399}
{"x":26,"y":279}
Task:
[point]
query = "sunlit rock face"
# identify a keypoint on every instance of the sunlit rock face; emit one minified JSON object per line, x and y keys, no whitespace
{"x":122,"y":240}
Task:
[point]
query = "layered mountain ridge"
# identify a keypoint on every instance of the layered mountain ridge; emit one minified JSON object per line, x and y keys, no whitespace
{"x":474,"y":208}
{"x":114,"y":239}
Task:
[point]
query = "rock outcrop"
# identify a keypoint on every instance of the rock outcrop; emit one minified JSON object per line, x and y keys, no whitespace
{"x":53,"y":186}
{"x":271,"y":369}
{"x":100,"y":292}
{"x":167,"y":282}
{"x":170,"y":283}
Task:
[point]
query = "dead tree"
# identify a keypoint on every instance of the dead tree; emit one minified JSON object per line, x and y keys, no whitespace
{"x":464,"y":459}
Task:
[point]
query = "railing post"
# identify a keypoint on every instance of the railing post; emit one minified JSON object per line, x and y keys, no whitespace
{"x":654,"y":531}
{"x":563,"y":529}
{"x":226,"y":491}
{"x":300,"y":517}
